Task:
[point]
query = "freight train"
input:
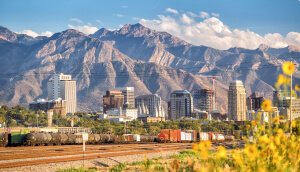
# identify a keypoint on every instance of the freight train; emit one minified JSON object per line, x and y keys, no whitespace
{"x":171,"y":136}
{"x":25,"y":138}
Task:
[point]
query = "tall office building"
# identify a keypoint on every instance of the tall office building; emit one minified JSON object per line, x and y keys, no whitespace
{"x":128,"y":93}
{"x":281,"y":99}
{"x":62,"y":86}
{"x":181,"y":104}
{"x":254,"y":101}
{"x":237,"y":101}
{"x":150,"y":105}
{"x":112,"y":100}
{"x":204,"y":100}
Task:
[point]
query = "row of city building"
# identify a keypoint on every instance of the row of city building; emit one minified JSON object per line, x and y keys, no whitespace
{"x":119,"y":104}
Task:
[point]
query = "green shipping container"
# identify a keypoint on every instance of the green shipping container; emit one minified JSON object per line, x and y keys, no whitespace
{"x":16,"y":138}
{"x":23,"y":134}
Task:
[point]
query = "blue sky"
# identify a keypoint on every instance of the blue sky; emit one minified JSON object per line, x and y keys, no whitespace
{"x":258,"y":16}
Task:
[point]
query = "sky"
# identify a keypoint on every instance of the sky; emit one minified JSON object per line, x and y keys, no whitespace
{"x":220,"y":24}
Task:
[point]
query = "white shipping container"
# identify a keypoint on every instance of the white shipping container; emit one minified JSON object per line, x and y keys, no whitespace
{"x":137,"y":137}
{"x":213,"y":136}
{"x":187,"y":136}
{"x":182,"y":135}
{"x":203,"y":136}
{"x":220,"y":137}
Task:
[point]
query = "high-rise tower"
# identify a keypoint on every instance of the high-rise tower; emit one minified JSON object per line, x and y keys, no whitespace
{"x":237,"y":101}
{"x":62,"y":86}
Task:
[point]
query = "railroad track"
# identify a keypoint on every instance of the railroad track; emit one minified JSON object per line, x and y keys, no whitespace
{"x":89,"y":154}
{"x":22,"y":156}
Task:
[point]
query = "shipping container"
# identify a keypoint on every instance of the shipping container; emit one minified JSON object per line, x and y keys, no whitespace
{"x":182,"y":136}
{"x":16,"y":138}
{"x":178,"y":136}
{"x":136,"y":138}
{"x":203,"y":136}
{"x":175,"y":136}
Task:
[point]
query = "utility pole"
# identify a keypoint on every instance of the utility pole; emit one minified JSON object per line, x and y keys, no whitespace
{"x":291,"y":127}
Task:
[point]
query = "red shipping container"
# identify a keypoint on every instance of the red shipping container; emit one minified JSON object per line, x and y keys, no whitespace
{"x":210,"y":136}
{"x":163,"y":137}
{"x":171,"y":136}
{"x":195,"y":135}
{"x":178,"y":136}
{"x":175,"y":135}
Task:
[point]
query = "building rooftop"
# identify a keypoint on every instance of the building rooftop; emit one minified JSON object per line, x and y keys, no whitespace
{"x":236,"y":82}
{"x":181,"y":92}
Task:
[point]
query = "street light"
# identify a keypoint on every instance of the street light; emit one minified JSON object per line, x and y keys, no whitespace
{"x":37,"y":120}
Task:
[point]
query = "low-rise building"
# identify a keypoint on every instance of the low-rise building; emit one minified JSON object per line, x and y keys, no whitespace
{"x":58,"y":106}
{"x":151,"y":119}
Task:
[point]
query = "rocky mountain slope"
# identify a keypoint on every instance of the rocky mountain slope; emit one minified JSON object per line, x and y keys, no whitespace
{"x":94,"y":64}
{"x":258,"y":68}
{"x":150,"y":61}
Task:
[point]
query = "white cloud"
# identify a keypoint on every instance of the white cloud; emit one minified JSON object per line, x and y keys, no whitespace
{"x":215,"y":14}
{"x":186,"y":20}
{"x":34,"y":34}
{"x":214,"y":33}
{"x":118,"y":15}
{"x":99,"y":21}
{"x":47,"y":33}
{"x":76,"y":20}
{"x":120,"y":25}
{"x":192,"y":14}
{"x":204,"y":14}
{"x":170,"y":10}
{"x":124,"y":6}
{"x":85,"y":29}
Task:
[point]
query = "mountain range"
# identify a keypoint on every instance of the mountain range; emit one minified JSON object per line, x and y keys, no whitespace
{"x":153,"y":62}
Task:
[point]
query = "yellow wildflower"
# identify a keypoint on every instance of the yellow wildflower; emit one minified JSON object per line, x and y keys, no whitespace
{"x":248,"y":126}
{"x":253,"y":122}
{"x":263,"y":128}
{"x":264,"y":139}
{"x":266,"y":105}
{"x":277,"y":140}
{"x":293,"y":123}
{"x":271,"y":146}
{"x":251,"y":151}
{"x":237,"y":158}
{"x":281,"y":117}
{"x":204,"y":154}
{"x":276,"y":120}
{"x":221,"y":152}
{"x":280,"y":80}
{"x":288,"y":68}
{"x":280,"y":132}
{"x":195,"y":147}
{"x":204,"y":145}
{"x":297,"y":87}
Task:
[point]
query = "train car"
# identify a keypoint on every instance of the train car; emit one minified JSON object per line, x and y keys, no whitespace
{"x":64,"y":139}
{"x":91,"y":139}
{"x":71,"y":138}
{"x":97,"y":138}
{"x":3,"y":139}
{"x":15,"y":138}
{"x":56,"y":139}
{"x":203,"y":136}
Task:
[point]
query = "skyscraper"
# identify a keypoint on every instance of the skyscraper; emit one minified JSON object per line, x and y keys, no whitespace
{"x":128,"y":93}
{"x":237,"y":101}
{"x":62,"y":86}
{"x":150,"y":103}
{"x":254,"y":101}
{"x":112,"y":100}
{"x":204,"y":99}
{"x":181,"y":104}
